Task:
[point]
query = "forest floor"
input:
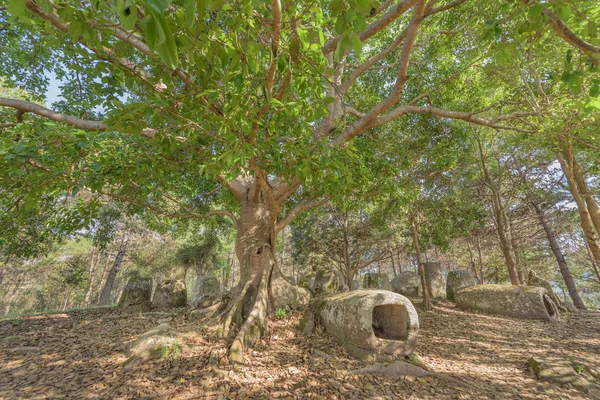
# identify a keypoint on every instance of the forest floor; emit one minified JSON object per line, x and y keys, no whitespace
{"x":79,"y":355}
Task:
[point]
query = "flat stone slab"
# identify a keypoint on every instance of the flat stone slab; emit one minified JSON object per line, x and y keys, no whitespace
{"x":560,"y":371}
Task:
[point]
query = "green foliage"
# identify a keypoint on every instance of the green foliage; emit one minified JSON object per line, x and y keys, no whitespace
{"x":281,"y":313}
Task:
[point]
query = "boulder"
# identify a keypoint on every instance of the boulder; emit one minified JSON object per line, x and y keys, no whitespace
{"x":160,"y":341}
{"x":170,"y":294}
{"x":458,"y":279}
{"x":205,"y":291}
{"x":560,"y":371}
{"x":326,"y":282}
{"x":525,"y":302}
{"x":370,"y":324}
{"x":436,"y":283}
{"x":136,"y":295}
{"x":355,"y":284}
{"x":407,"y":283}
{"x":376,"y":281}
{"x":307,"y":281}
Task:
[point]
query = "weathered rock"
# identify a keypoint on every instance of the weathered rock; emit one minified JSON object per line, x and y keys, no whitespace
{"x":371,"y":324}
{"x":136,"y":295}
{"x":205,"y":291}
{"x":534,"y":280}
{"x":376,"y":281}
{"x":408,"y":284}
{"x":170,"y":294}
{"x":560,"y":371}
{"x":526,"y":302}
{"x":307,"y":281}
{"x":394,"y":369}
{"x":286,"y":294}
{"x":458,"y":279}
{"x":326,"y":282}
{"x":436,"y":283}
{"x":207,"y":312}
{"x":157,"y":342}
{"x":355,"y":284}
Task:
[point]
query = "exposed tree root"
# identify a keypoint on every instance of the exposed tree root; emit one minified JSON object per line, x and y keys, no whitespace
{"x":256,"y":323}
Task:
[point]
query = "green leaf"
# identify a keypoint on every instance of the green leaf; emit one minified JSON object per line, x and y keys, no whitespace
{"x":190,"y":12}
{"x":328,"y":100}
{"x":128,"y":16}
{"x":356,"y":44}
{"x":536,"y":10}
{"x":592,"y":29}
{"x":360,"y":23}
{"x":158,"y":5}
{"x":16,"y":7}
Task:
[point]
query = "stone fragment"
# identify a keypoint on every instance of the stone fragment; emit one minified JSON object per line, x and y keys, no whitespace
{"x":560,"y":371}
{"x":394,"y":369}
{"x":525,"y":302}
{"x":457,"y":280}
{"x":136,"y":295}
{"x":157,"y":342}
{"x":371,"y":324}
{"x":326,"y":282}
{"x":436,"y":283}
{"x":205,"y":291}
{"x":407,"y":283}
{"x":376,"y":281}
{"x":170,"y":294}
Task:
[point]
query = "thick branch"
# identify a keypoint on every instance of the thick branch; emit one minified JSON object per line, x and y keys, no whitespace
{"x":376,"y":26}
{"x":26,"y":106}
{"x":465,"y":116}
{"x":84,"y":124}
{"x":401,"y":79}
{"x":301,"y":206}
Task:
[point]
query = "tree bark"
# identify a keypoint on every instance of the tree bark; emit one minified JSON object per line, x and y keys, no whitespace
{"x":393,"y":264}
{"x":480,"y":258}
{"x":560,"y":259}
{"x":586,"y":193}
{"x":589,"y":232}
{"x":93,"y":261}
{"x":500,"y":219}
{"x":110,"y":279}
{"x":415,"y":238}
{"x":13,"y":294}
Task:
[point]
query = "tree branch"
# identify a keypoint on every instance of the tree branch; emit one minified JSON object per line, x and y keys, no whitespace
{"x":301,"y":206}
{"x":401,"y":79}
{"x":375,"y":27}
{"x":84,"y":124}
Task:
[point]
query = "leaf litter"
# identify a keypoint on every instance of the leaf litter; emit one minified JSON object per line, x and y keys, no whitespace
{"x":472,"y":356}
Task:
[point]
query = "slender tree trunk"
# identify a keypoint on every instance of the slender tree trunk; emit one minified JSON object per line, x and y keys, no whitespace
{"x":595,"y":266}
{"x":500,"y":219}
{"x":13,"y":294}
{"x":415,"y":239}
{"x":479,"y":258}
{"x":110,"y":280}
{"x":560,"y":259}
{"x":589,"y":232}
{"x":473,"y":266}
{"x":393,"y":264}
{"x":93,"y":261}
{"x":66,"y":302}
{"x":585,"y":191}
{"x":102,"y":277}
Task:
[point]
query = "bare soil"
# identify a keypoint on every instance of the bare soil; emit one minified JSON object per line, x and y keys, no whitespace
{"x":79,"y":355}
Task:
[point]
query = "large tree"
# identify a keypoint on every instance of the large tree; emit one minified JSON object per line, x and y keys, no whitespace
{"x":240,"y":109}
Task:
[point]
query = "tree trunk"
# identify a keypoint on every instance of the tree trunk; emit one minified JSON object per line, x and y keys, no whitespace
{"x":93,"y":261}
{"x":500,"y":219}
{"x":480,"y":258}
{"x":13,"y":295}
{"x":560,"y":259}
{"x":473,"y":266}
{"x":415,"y":238}
{"x":110,"y":280}
{"x":585,"y":191}
{"x":393,"y":264}
{"x":589,"y":232}
{"x":262,"y":287}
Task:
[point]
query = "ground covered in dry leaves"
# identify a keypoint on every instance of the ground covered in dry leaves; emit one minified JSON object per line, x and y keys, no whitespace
{"x":79,"y":355}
